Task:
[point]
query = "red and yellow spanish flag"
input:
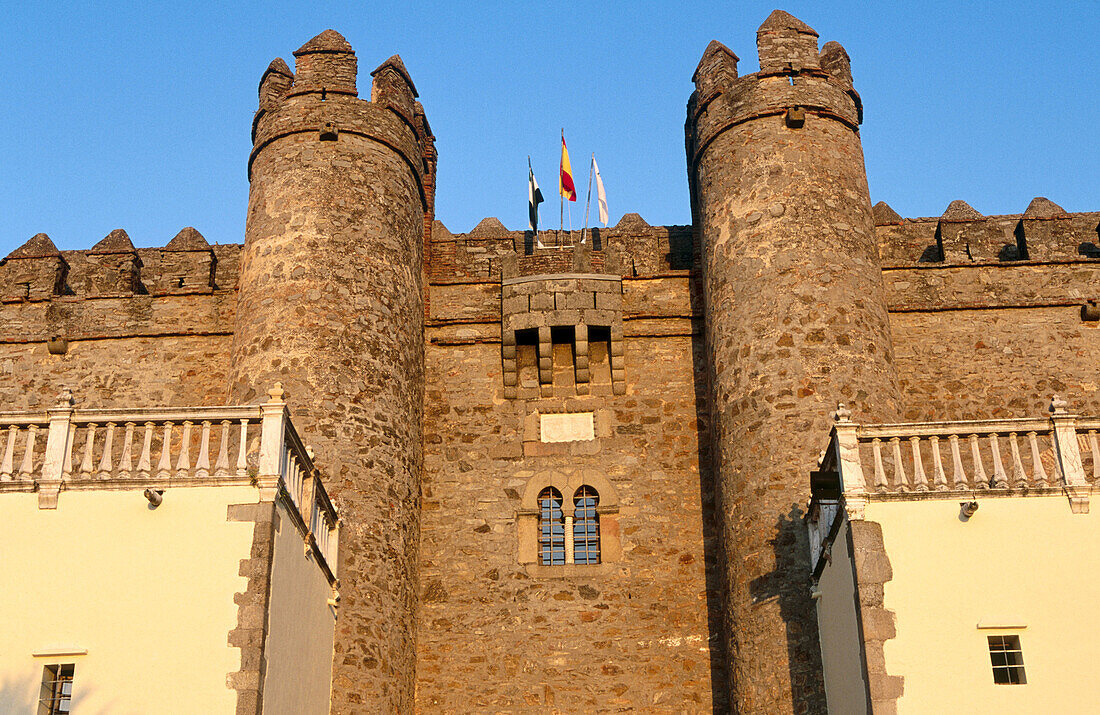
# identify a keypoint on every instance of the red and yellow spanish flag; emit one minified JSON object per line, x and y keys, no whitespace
{"x":565,"y":174}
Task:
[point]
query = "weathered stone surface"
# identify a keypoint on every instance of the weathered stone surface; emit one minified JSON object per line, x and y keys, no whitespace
{"x":331,"y":305}
{"x":779,"y":360}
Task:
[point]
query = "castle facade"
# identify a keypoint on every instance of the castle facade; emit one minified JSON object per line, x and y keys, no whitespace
{"x":572,"y":477}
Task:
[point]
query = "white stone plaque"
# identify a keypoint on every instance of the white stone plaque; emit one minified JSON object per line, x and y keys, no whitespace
{"x":567,"y":427}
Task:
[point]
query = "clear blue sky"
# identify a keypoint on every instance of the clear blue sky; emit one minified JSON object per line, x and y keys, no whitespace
{"x":137,"y":115}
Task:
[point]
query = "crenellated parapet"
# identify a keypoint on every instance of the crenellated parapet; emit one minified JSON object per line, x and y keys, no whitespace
{"x":320,"y":98}
{"x":34,"y":271}
{"x":115,"y":268}
{"x":631,"y":248}
{"x":794,"y":78}
{"x":962,"y":236}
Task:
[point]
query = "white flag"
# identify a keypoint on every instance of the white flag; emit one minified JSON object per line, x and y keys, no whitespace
{"x":602,"y":197}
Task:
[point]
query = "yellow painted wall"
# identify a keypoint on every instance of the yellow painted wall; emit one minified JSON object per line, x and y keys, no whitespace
{"x":148,"y":593}
{"x":1025,"y":559}
{"x":838,"y":627}
{"x":301,"y":627}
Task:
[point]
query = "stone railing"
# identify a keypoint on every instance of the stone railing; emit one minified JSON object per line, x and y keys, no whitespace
{"x":66,"y":448}
{"x":1059,"y":454}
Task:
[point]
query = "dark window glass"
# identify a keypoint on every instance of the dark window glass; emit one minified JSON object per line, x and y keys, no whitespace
{"x":586,"y":526}
{"x":551,"y":528}
{"x":1008,"y":660}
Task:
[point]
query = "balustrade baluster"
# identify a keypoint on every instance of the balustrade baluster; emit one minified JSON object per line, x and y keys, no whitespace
{"x":1000,"y":478}
{"x":958,"y":474}
{"x":1038,"y":473}
{"x":1093,"y":448}
{"x":242,"y":457}
{"x":27,"y":465}
{"x":1019,"y":476}
{"x":105,"y":466}
{"x":202,"y":464}
{"x":183,"y":463}
{"x":880,"y":473}
{"x":9,"y":455}
{"x":901,"y":482}
{"x":920,"y":479}
{"x":221,"y":466}
{"x":981,"y":481}
{"x":145,"y":461}
{"x":89,"y":445}
{"x":939,"y":478}
{"x":67,"y":463}
{"x":164,"y":466}
{"x":126,"y":461}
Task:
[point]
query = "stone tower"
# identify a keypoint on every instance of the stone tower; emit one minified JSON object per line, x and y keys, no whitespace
{"x":795,"y":321}
{"x":331,"y":304}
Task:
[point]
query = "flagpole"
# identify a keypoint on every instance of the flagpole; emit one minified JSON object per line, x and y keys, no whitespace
{"x":588,"y":201}
{"x":561,"y":197}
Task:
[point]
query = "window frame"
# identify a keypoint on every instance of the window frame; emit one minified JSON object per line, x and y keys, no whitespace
{"x":1006,"y":648}
{"x":56,"y":694}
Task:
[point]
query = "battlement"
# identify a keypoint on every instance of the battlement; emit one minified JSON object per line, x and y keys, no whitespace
{"x":794,"y":79}
{"x":114,"y":267}
{"x":963,"y":236}
{"x":320,"y":97}
{"x":490,"y":251}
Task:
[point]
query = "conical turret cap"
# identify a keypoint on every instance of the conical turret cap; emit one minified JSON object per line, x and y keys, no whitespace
{"x":328,"y":41}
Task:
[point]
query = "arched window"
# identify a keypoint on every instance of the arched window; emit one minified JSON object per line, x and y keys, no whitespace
{"x":586,"y":526}
{"x":551,"y":528}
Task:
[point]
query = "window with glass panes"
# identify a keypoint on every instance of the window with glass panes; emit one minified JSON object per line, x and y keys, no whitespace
{"x":586,"y":526}
{"x":1008,"y":660}
{"x":551,"y":528}
{"x":56,"y":695}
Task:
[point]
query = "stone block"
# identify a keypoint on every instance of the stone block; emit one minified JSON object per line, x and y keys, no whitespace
{"x":609,"y":301}
{"x":578,"y":300}
{"x":542,"y":301}
{"x":515,"y":304}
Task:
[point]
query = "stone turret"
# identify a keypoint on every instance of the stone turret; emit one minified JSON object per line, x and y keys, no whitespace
{"x":795,"y":321}
{"x":331,"y":304}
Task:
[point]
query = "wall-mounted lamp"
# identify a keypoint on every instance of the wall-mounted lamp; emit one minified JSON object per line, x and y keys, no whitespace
{"x":155,"y":497}
{"x":967,"y":509}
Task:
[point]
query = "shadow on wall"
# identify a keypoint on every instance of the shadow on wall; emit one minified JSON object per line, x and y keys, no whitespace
{"x":708,"y":491}
{"x":796,"y":608}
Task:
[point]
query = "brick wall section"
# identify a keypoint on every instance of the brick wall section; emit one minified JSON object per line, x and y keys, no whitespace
{"x":781,"y":201}
{"x":637,"y":634}
{"x":330,"y":303}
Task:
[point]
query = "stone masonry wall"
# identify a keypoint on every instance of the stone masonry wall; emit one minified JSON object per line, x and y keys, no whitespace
{"x":331,"y":304}
{"x":634,"y":634}
{"x":796,"y":321}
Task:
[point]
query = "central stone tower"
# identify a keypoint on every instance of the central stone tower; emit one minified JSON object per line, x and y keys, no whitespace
{"x":796,"y":321}
{"x":331,"y":304}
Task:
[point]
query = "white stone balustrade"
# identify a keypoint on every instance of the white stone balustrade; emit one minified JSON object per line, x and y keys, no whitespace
{"x":67,"y":448}
{"x":1055,"y":454}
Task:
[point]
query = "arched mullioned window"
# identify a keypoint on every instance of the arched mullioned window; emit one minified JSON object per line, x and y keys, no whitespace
{"x":551,"y":528}
{"x":586,"y":526}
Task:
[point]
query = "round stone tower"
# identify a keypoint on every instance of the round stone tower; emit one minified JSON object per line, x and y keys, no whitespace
{"x":795,"y":321}
{"x":331,"y":304}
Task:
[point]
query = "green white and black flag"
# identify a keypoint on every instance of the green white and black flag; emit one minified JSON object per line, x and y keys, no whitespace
{"x":534,"y":198}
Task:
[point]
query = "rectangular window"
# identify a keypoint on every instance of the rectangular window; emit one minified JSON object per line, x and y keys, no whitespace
{"x":57,"y":689}
{"x":1008,"y":660}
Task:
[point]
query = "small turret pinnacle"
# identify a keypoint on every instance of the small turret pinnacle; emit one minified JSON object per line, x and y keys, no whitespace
{"x":1041,"y":207}
{"x":959,"y":210}
{"x":786,"y":44}
{"x":780,"y":20}
{"x":188,"y":239}
{"x":328,"y":41}
{"x":117,"y":241}
{"x":398,"y":66}
{"x":884,"y":215}
{"x":40,"y":246}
